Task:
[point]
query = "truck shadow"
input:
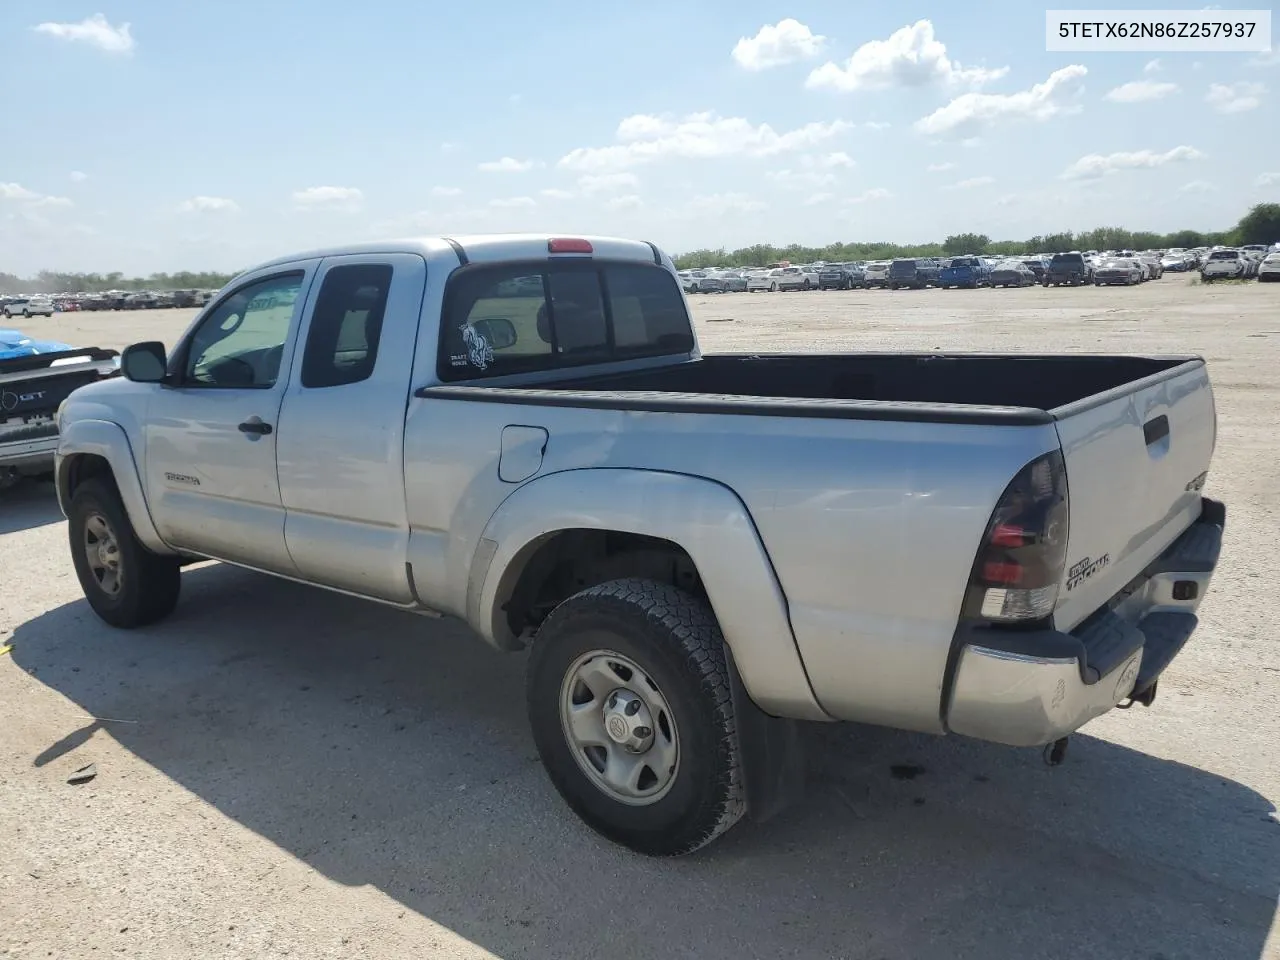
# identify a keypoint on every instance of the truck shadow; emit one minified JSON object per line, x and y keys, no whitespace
{"x":27,"y":505}
{"x":387,"y":749}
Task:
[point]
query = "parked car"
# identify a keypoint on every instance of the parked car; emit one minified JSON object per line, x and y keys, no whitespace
{"x":1175,"y":263}
{"x":841,"y":276}
{"x":876,"y":274}
{"x":1037,"y":266}
{"x":36,"y":376}
{"x":29,"y":307}
{"x":916,"y":274}
{"x":1117,"y":272}
{"x":790,"y":278}
{"x":759,"y":280}
{"x":1012,"y":273}
{"x":680,"y":615}
{"x":732,"y":281}
{"x":1269,"y":268}
{"x":970,"y":272}
{"x":1067,"y":268}
{"x":1227,"y":264}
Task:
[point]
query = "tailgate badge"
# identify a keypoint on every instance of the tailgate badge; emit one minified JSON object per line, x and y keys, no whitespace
{"x":1084,"y":569}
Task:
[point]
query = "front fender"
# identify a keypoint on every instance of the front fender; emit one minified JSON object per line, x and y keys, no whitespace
{"x":704,"y":518}
{"x":102,"y":438}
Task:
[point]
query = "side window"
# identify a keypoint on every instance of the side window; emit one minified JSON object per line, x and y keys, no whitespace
{"x":648,"y":312}
{"x":342,"y":341}
{"x":495,"y":321}
{"x":241,"y":342}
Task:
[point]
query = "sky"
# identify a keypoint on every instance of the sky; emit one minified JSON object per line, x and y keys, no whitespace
{"x":148,"y":135}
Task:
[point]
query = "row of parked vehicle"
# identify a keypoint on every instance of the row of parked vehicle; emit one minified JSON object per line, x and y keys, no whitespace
{"x":1075,"y":268}
{"x":42,"y":305}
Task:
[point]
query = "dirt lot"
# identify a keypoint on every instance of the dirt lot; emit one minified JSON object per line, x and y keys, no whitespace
{"x":290,"y":772}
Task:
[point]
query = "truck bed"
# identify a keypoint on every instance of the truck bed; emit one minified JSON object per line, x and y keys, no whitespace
{"x":1006,"y":388}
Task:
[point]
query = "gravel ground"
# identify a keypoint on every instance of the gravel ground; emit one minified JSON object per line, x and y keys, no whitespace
{"x":286,"y":772}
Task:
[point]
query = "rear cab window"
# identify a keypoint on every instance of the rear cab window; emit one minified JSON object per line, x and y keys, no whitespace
{"x":516,"y":318}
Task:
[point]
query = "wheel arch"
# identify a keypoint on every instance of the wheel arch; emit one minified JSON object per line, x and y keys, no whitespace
{"x":609,"y":523}
{"x":99,"y":448}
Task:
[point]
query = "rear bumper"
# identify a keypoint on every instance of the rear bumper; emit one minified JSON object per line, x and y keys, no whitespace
{"x":1026,"y":688}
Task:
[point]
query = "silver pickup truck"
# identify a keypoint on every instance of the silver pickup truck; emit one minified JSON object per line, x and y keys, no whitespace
{"x":698,"y":551}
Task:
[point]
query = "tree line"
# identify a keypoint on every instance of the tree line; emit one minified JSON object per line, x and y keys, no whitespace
{"x":1260,"y":225}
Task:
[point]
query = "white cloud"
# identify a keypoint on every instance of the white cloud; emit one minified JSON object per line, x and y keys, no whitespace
{"x":95,"y":31}
{"x":1265,"y":60}
{"x":1267,"y":179}
{"x":877,"y":125}
{"x":644,"y":138}
{"x":814,"y":199}
{"x":507,"y":165}
{"x":801,"y":179}
{"x":939,"y":167}
{"x":972,"y":112}
{"x":911,"y":57}
{"x":512,"y":203}
{"x":832,"y":160}
{"x":1198,"y":186}
{"x":1235,"y":97}
{"x":626,"y":202}
{"x":555,"y":193}
{"x":1153,"y":66}
{"x":1098,"y":165}
{"x":876,"y":193}
{"x":16,"y":191}
{"x":777,"y":44}
{"x":329,"y":198}
{"x":972,"y":182}
{"x":595,"y":183}
{"x":78,"y":177}
{"x":1140,"y":91}
{"x":208,"y":205}
{"x":446,"y":191}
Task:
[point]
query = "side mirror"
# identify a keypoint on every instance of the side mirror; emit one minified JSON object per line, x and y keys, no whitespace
{"x":500,"y":332}
{"x":144,"y":362}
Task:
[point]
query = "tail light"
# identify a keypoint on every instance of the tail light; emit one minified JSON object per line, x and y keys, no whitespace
{"x":1019,"y":566}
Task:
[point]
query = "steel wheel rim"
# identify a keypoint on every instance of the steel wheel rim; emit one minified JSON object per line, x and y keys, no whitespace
{"x":102,"y":551}
{"x":607,"y":703}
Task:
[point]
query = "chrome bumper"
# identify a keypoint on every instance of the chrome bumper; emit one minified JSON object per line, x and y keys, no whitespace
{"x":1029,"y":688}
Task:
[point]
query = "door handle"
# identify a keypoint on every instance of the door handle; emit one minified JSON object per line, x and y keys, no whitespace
{"x":254,"y":426}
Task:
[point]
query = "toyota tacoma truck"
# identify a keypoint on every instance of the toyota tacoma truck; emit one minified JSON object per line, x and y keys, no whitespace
{"x":35,"y":377}
{"x":701,"y":552}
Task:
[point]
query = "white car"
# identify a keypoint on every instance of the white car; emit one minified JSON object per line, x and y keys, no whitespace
{"x":1269,"y":268}
{"x":791,"y":278}
{"x":759,"y":280}
{"x":876,"y":274}
{"x":29,"y":307}
{"x":1224,"y":265}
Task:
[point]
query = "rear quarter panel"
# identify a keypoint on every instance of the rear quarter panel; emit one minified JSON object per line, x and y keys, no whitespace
{"x":871,"y":526}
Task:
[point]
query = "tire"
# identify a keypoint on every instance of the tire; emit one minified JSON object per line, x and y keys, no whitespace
{"x":773,"y":287}
{"x":674,"y":640}
{"x":147,"y":583}
{"x":26,"y":314}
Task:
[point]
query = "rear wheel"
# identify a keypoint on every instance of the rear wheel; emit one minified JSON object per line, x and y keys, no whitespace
{"x":125,"y":583}
{"x":630,"y":706}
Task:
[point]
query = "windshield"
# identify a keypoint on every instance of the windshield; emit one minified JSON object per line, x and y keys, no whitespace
{"x":1224,"y":255}
{"x":1068,"y":259}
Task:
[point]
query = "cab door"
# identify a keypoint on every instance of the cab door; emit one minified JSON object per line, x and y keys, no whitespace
{"x":210,"y":458}
{"x":340,"y":443}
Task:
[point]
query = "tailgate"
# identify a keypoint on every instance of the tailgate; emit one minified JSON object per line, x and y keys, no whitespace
{"x":1136,"y":460}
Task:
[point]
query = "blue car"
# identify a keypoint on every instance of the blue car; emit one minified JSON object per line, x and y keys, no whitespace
{"x":967,"y":272}
{"x":35,"y":377}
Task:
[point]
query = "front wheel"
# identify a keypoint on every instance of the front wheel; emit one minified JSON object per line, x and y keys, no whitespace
{"x":773,"y":288}
{"x":630,"y":705}
{"x":125,"y":583}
